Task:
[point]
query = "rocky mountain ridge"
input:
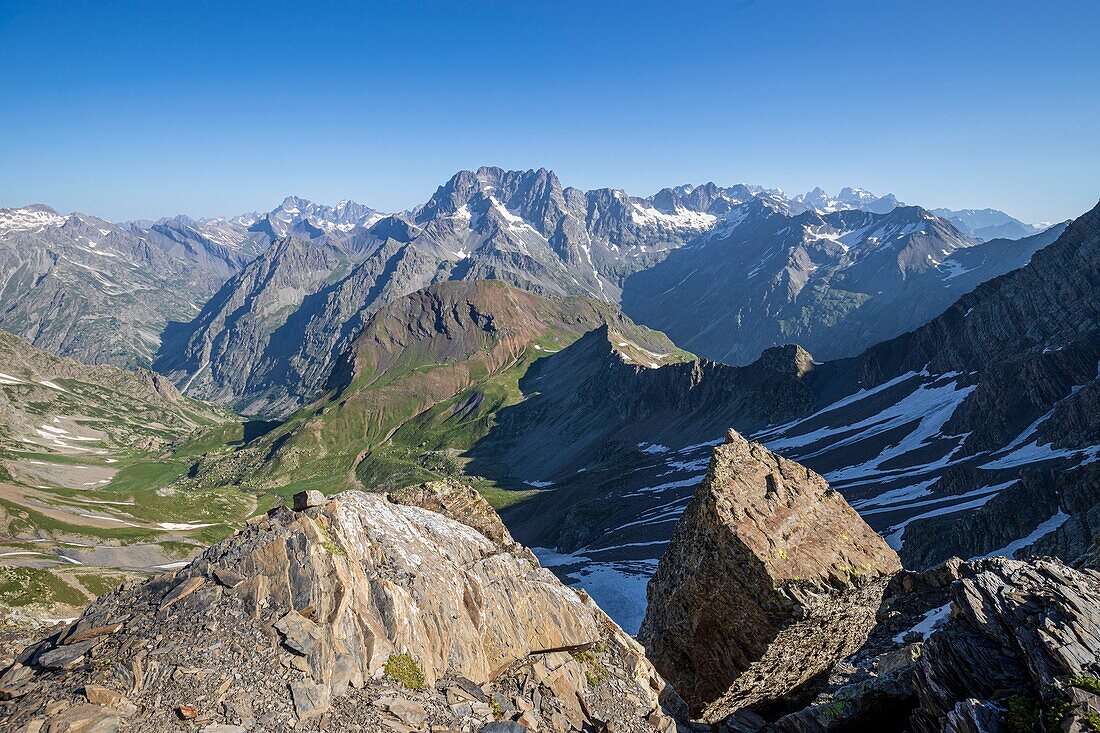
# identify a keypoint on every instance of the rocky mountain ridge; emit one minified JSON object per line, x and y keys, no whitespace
{"x":81,"y":287}
{"x":349,"y":610}
{"x":527,"y":229}
{"x":421,"y":382}
{"x":835,"y":283}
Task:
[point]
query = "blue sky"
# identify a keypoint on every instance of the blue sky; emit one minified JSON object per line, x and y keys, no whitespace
{"x":131,"y":110}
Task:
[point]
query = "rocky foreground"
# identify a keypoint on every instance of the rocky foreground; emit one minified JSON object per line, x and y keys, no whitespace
{"x":775,"y":609}
{"x":352,"y":612}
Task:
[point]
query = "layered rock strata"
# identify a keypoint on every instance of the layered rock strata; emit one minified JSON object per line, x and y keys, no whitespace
{"x":353,"y":611}
{"x":769,"y":579}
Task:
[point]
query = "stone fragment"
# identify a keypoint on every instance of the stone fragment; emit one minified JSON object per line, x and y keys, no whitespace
{"x":310,"y":698}
{"x":187,"y":712}
{"x":228,"y":578}
{"x":899,"y":658}
{"x":86,"y":718}
{"x":100,"y":695}
{"x":15,"y":681}
{"x":92,"y":632}
{"x":408,"y":712}
{"x":62,"y":657}
{"x":299,"y":633}
{"x":181,"y":591}
{"x":305,"y":499}
{"x":504,"y":726}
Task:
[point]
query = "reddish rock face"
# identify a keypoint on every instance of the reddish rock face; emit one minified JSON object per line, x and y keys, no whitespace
{"x":769,"y":579}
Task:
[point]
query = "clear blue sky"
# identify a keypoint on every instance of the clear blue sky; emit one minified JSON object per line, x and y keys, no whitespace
{"x":131,"y":110}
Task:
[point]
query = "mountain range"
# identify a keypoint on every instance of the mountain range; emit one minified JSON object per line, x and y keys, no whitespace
{"x":281,"y":295}
{"x":974,"y":434}
{"x":911,"y":389}
{"x":834,"y":283}
{"x":479,"y":336}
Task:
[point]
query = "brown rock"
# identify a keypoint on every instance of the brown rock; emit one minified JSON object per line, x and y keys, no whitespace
{"x":84,"y":719}
{"x":100,"y":695}
{"x":305,"y":499}
{"x":769,"y":579}
{"x":94,"y":632}
{"x":408,"y":712}
{"x":458,"y":502}
{"x":181,"y":591}
{"x":310,"y":698}
{"x":187,"y":712}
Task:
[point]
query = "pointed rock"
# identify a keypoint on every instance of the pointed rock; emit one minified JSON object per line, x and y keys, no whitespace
{"x":769,"y":579}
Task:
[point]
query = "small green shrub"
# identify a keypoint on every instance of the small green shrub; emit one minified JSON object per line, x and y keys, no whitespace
{"x":1088,"y":684}
{"x":594,"y":671}
{"x":404,"y":669}
{"x":1022,"y":714}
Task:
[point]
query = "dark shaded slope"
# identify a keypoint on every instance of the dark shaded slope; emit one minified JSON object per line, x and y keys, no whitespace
{"x":928,"y":434}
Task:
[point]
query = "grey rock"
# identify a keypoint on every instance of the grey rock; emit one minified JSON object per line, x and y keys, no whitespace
{"x":1017,"y":629}
{"x":408,"y":712}
{"x":503,"y":726}
{"x":63,"y":656}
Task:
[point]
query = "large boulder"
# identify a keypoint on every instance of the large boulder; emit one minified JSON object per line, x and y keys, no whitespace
{"x":769,"y":579}
{"x":352,"y":611}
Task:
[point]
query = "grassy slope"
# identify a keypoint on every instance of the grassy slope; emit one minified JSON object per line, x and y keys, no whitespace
{"x":409,"y":411}
{"x":415,"y":405}
{"x":146,"y":435}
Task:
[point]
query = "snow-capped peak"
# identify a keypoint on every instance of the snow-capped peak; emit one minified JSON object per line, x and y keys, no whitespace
{"x":32,"y":218}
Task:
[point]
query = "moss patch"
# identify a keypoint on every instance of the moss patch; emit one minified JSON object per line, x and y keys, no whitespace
{"x":404,"y":669}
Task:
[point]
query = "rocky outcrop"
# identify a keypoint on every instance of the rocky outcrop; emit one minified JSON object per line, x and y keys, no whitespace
{"x":353,"y":610}
{"x":991,"y":645}
{"x":1022,"y":645}
{"x":769,"y":579}
{"x":458,"y":502}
